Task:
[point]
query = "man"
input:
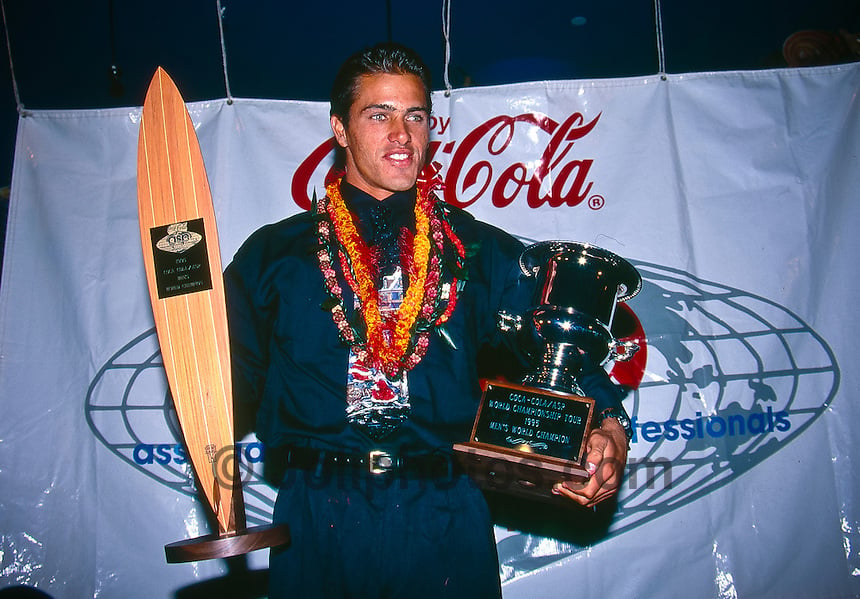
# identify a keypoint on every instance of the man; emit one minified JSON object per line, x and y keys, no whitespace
{"x":356,"y":330}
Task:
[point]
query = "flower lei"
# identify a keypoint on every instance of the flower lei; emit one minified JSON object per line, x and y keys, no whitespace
{"x":396,"y":343}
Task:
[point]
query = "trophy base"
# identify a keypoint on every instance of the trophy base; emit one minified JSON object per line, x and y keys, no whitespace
{"x":228,"y":545}
{"x":519,"y":474}
{"x":525,"y":440}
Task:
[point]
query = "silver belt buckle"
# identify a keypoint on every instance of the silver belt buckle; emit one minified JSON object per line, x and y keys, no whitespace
{"x":381,"y":462}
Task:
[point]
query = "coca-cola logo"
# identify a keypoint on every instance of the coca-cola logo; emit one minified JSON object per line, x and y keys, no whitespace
{"x":476,"y":167}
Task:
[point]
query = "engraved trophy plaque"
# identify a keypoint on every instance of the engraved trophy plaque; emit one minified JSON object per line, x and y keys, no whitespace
{"x":529,"y":436}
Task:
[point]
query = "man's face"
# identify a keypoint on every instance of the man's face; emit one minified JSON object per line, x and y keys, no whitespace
{"x":389,"y":129}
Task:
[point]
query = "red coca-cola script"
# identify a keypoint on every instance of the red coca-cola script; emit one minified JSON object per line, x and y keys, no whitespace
{"x":476,"y":169}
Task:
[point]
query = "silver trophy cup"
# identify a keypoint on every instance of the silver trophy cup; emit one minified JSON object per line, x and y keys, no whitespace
{"x":577,"y":291}
{"x":530,"y":435}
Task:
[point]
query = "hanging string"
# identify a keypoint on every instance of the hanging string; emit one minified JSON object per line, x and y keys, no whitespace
{"x":661,"y":52}
{"x":223,"y":51}
{"x":446,"y":33}
{"x":114,"y":74}
{"x":19,"y":106}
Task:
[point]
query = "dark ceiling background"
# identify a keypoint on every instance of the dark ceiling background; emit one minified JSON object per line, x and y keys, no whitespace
{"x":63,"y":52}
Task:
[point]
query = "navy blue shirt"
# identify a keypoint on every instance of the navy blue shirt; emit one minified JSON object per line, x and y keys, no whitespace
{"x":289,"y":364}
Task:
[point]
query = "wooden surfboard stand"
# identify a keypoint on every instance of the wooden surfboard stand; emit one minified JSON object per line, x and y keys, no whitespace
{"x":183,"y":271}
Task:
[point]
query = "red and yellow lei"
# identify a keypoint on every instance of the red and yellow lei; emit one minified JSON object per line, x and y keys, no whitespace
{"x":395,"y":343}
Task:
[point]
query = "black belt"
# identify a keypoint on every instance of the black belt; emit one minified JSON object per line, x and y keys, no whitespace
{"x":421,"y":465}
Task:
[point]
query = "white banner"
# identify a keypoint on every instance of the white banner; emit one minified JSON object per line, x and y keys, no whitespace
{"x":734,"y":194}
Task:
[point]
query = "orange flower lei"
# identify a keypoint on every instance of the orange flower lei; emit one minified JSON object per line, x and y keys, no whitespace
{"x":420,"y":309}
{"x":366,"y":289}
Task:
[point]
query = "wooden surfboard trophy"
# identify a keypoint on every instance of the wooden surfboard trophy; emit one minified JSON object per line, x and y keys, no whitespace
{"x":183,"y":271}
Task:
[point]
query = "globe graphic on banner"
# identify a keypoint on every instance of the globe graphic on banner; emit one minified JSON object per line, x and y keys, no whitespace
{"x":730,"y":379}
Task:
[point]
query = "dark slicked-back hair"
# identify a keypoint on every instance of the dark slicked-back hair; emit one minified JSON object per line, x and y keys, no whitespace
{"x":387,"y":58}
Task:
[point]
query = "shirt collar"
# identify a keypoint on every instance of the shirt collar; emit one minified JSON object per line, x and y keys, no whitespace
{"x":360,"y":204}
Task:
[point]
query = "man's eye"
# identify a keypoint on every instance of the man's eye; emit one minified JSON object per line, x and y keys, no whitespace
{"x":377,"y":116}
{"x":416,"y":117}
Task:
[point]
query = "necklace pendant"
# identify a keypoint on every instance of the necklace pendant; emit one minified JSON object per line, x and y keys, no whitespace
{"x":376,"y":403}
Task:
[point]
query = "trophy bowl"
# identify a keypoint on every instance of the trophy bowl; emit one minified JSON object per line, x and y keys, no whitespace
{"x":531,"y":435}
{"x":578,"y":287}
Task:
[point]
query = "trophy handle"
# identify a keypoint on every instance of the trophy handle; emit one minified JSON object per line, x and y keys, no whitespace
{"x":622,"y":351}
